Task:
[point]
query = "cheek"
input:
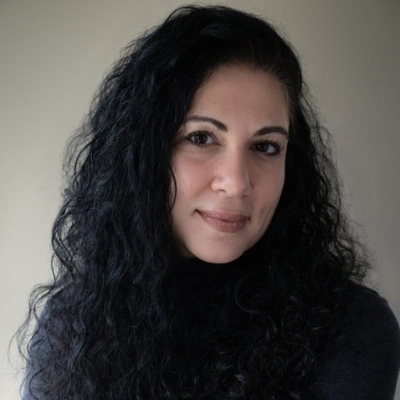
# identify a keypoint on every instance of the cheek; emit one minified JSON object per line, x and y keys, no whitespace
{"x":270,"y":191}
{"x":191,"y":177}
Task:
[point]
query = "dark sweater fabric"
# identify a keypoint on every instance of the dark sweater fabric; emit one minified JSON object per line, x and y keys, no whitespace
{"x":362,"y":358}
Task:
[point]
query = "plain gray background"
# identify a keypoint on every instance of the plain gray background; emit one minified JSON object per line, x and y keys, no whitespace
{"x":54,"y":54}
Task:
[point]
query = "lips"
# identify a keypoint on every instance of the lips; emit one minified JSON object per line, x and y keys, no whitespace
{"x":223,"y":221}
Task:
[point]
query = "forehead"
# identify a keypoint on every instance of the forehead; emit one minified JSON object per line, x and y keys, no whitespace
{"x":242,"y":92}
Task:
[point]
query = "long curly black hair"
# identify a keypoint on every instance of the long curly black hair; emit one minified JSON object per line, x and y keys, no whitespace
{"x":110,"y":322}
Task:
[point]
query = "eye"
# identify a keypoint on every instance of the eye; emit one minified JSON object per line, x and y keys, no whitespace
{"x":269,"y":148}
{"x":200,"y":138}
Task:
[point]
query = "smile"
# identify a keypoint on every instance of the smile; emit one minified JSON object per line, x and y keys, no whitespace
{"x":224,"y":222}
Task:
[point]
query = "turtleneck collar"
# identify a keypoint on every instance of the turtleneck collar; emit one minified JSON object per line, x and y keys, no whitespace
{"x":193,"y":266}
{"x":201,"y":281}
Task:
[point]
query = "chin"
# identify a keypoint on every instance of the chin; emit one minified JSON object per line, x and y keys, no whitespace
{"x":218,"y":256}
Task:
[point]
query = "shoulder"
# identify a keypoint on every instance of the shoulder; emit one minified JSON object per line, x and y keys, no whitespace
{"x":367,"y":332}
{"x":362,"y":358}
{"x":368,"y":314}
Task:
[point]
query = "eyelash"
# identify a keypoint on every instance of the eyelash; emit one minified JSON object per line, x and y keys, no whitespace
{"x":275,"y":145}
{"x":192,"y":135}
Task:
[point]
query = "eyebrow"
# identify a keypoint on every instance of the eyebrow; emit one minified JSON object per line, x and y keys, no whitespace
{"x":222,"y":127}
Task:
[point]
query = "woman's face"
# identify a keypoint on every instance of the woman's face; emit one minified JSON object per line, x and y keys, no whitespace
{"x":229,"y":163}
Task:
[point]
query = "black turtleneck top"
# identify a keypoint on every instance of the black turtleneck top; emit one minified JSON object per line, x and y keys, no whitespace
{"x":360,"y":361}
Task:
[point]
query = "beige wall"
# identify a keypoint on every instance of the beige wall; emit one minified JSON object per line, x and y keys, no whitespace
{"x":54,"y":53}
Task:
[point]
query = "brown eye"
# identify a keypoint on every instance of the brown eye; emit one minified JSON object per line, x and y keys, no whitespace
{"x":200,"y":138}
{"x":267,"y":148}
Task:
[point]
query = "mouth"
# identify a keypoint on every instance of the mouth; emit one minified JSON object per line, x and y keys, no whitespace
{"x":223,"y":221}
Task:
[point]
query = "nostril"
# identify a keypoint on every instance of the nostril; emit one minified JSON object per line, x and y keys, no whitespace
{"x":232,"y":179}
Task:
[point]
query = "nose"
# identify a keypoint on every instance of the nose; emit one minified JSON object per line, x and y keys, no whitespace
{"x":232,"y":175}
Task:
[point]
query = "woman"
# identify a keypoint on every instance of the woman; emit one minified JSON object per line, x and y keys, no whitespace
{"x":201,"y":251}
